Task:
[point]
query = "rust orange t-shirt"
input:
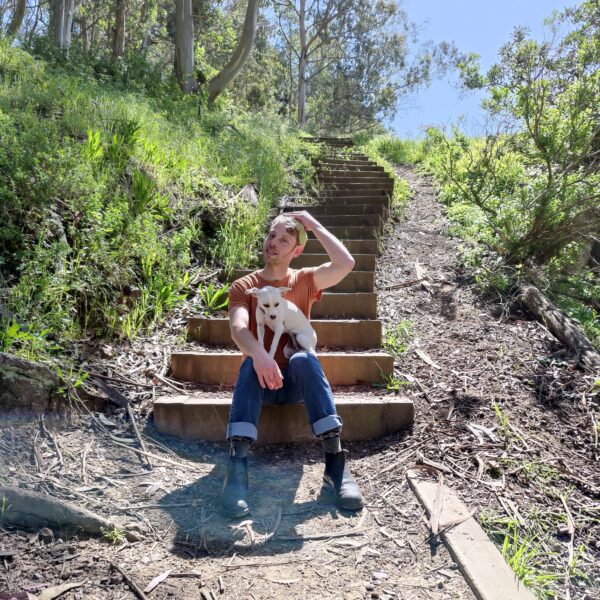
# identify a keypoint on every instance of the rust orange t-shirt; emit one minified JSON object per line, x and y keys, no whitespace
{"x":304,"y":293}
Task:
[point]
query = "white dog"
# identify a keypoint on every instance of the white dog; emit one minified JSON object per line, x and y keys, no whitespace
{"x":281,"y":316}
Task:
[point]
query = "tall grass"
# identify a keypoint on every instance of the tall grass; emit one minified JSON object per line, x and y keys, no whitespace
{"x":105,"y":188}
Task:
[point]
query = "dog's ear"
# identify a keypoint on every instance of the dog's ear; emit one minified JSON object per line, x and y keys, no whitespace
{"x":252,"y":291}
{"x":283,"y":290}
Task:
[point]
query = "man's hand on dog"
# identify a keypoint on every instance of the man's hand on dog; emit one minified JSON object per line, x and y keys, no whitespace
{"x":267,"y":371}
{"x":309,"y":222}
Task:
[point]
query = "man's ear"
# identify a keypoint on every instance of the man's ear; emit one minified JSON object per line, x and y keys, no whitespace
{"x":253,"y":291}
{"x":283,"y":290}
{"x":298,"y":250}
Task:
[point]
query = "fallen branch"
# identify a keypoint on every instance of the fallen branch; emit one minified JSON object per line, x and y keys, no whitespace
{"x":561,"y":326}
{"x":130,"y":582}
{"x":24,"y":508}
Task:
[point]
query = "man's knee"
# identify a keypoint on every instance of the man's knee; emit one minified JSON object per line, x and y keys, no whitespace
{"x":302,"y":361}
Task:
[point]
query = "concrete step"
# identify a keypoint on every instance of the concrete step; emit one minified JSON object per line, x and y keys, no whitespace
{"x":350,"y":178}
{"x":382,"y":185}
{"x":362,"y":262}
{"x":200,"y":418}
{"x":338,"y":162}
{"x":351,"y":233}
{"x":354,"y":196}
{"x":350,"y":334}
{"x":342,"y":208}
{"x":356,"y":281}
{"x":370,"y":220}
{"x":341,"y":198}
{"x":341,"y":368}
{"x":342,"y":169}
{"x":354,"y":246}
{"x":345,"y":306}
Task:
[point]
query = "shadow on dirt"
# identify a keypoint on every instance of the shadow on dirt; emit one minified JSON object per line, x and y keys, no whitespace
{"x":285,"y":498}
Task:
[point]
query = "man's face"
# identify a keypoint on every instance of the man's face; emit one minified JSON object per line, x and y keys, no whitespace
{"x":280,"y":247}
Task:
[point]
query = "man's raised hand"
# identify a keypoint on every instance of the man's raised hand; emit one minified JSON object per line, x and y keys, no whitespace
{"x":309,"y":222}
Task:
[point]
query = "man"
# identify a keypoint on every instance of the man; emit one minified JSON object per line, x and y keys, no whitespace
{"x":265,"y":380}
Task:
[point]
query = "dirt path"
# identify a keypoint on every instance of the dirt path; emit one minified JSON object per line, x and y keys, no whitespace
{"x":298,"y":546}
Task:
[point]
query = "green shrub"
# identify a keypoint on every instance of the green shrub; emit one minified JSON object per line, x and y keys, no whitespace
{"x":108,"y":182}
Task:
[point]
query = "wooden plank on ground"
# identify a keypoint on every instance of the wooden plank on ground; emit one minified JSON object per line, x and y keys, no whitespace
{"x":480,"y":562}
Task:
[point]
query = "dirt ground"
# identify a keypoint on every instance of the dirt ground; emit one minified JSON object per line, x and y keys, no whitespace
{"x":531,"y":461}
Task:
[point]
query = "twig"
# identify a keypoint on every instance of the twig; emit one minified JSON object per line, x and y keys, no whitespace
{"x":130,"y":582}
{"x":571,"y":530}
{"x":276,"y":526}
{"x":83,"y":460}
{"x":121,"y":380}
{"x":149,"y":454}
{"x":158,"y":506}
{"x":54,"y":443}
{"x":268,"y":564}
{"x":138,"y":436}
{"x":167,"y":382}
{"x":438,"y":504}
{"x":404,"y":284}
{"x":319,"y":536}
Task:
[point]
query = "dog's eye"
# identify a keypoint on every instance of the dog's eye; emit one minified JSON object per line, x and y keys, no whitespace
{"x":267,"y":305}
{"x":276,"y":305}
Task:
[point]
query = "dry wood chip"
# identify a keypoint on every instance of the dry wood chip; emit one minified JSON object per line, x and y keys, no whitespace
{"x":157,"y":581}
{"x":56,"y":591}
{"x":282,"y":581}
{"x":426,"y":358}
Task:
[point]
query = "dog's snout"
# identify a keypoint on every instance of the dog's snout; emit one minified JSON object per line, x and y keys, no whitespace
{"x":273,"y":316}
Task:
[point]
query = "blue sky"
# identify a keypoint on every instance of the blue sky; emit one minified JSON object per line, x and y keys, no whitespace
{"x":474,"y":26}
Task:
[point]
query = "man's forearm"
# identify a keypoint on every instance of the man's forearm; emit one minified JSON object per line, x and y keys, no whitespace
{"x":246,"y":342}
{"x":338,"y":253}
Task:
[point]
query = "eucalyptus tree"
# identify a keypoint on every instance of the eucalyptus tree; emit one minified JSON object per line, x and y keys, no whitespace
{"x":240,"y":55}
{"x":17,"y":18}
{"x":306,"y":27}
{"x":184,"y":46}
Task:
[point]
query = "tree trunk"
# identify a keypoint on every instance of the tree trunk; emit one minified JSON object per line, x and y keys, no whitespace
{"x":56,"y":29}
{"x":302,"y":63}
{"x":561,"y":326}
{"x":240,"y":56}
{"x":147,"y":25}
{"x":69,"y":10}
{"x":184,"y":46}
{"x":85,"y":34}
{"x":17,"y":19}
{"x":119,"y":32}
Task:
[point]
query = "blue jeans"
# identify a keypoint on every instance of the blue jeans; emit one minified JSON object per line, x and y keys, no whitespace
{"x":303,"y":380}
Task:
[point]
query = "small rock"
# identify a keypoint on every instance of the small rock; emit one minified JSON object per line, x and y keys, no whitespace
{"x":370,"y":587}
{"x":46,"y":535}
{"x":106,"y":351}
{"x":379,"y":575}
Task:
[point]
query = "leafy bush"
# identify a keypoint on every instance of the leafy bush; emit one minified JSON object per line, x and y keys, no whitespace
{"x":106,"y":184}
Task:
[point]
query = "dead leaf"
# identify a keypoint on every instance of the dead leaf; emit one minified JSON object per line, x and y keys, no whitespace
{"x":156,"y":581}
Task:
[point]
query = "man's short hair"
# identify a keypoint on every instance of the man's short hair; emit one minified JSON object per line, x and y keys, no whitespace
{"x":293,"y":227}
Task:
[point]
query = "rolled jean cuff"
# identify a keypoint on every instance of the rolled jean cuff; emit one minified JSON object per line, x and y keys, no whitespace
{"x":241,"y":429}
{"x":326,"y":424}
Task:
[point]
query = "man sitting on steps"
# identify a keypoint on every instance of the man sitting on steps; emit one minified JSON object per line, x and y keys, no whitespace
{"x":263,"y":380}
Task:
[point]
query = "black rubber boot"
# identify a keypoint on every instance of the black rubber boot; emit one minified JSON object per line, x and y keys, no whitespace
{"x":234,"y":497}
{"x":339,"y":483}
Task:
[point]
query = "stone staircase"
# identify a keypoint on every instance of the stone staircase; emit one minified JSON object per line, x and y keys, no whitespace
{"x":353,"y":203}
